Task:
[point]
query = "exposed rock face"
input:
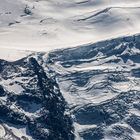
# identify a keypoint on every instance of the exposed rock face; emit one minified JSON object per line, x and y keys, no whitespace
{"x":33,"y":101}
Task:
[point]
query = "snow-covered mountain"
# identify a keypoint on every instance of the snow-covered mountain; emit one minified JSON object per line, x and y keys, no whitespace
{"x":101,"y":83}
{"x":90,"y":92}
{"x":69,"y":70}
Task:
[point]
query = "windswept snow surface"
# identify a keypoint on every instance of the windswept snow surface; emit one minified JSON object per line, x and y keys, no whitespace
{"x":41,"y":25}
{"x":101,"y":84}
{"x":13,"y":54}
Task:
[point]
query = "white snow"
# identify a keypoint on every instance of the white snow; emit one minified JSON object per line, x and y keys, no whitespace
{"x":19,"y":131}
{"x":81,"y":128}
{"x":13,"y":54}
{"x":136,"y":136}
{"x":15,"y":88}
{"x":135,"y":112}
{"x":56,"y":24}
{"x":2,"y":131}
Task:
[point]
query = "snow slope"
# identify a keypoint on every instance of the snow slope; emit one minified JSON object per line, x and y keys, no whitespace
{"x":13,"y":54}
{"x":46,"y":25}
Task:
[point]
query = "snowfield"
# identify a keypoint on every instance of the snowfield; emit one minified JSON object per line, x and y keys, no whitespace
{"x":46,"y":25}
